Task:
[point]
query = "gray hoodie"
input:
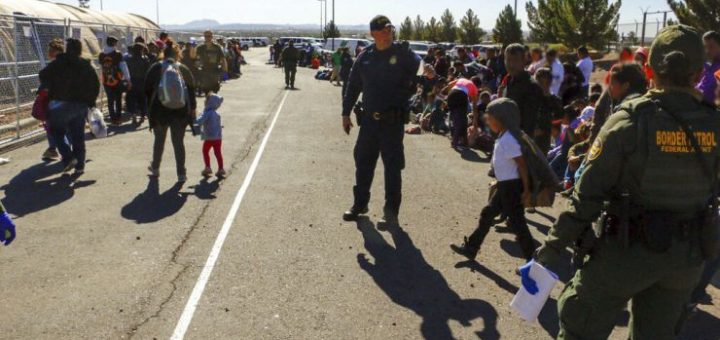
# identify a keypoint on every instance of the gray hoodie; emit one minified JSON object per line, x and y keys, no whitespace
{"x":210,"y":121}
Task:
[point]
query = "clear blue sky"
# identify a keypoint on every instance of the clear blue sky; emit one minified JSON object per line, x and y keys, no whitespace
{"x":346,"y":11}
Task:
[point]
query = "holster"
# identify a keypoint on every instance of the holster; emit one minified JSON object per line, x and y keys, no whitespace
{"x":359,"y":112}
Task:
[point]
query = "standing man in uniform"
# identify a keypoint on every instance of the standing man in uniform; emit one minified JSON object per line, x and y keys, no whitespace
{"x":652,"y":173}
{"x":212,"y":63}
{"x":290,"y":57}
{"x":386,"y":74}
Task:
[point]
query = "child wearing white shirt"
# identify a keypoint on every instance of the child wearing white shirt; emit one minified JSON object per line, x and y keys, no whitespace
{"x":513,"y":184}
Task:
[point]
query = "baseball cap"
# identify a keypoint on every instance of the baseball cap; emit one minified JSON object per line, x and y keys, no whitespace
{"x":380,"y":22}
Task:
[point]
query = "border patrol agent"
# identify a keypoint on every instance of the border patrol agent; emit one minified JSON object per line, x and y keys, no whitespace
{"x":386,"y":73}
{"x":652,"y":173}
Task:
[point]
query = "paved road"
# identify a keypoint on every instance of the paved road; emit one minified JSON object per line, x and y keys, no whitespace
{"x":116,"y":255}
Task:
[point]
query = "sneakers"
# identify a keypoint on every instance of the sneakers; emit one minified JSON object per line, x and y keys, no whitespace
{"x":353,"y":213}
{"x":153,"y":172}
{"x":207,"y":172}
{"x":50,"y":155}
{"x":466,"y":249}
{"x":70,"y":165}
{"x":221,"y":173}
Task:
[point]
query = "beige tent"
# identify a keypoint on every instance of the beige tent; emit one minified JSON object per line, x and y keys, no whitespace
{"x":51,"y":20}
{"x":27,"y":26}
{"x":51,"y":10}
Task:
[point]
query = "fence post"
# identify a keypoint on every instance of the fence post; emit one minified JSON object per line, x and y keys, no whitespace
{"x":16,"y":81}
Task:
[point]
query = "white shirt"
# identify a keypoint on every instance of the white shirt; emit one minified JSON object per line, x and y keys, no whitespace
{"x":506,"y":150}
{"x":558,"y":74}
{"x":534,"y":67}
{"x":586,"y":67}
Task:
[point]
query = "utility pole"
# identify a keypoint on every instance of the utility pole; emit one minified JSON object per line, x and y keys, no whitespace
{"x":157,"y":11}
{"x":334,"y":24}
{"x":323,"y":23}
{"x":515,"y":9}
{"x":101,"y":5}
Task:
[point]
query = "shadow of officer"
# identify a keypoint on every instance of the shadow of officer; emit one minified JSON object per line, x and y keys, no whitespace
{"x":409,"y":281}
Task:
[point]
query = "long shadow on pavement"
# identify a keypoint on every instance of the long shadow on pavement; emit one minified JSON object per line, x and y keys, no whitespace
{"x":471,"y":156}
{"x":548,"y":318}
{"x":151,"y":206}
{"x":38,"y":188}
{"x":409,"y":281}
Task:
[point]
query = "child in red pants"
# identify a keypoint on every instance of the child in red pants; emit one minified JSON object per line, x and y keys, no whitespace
{"x":211,"y":133}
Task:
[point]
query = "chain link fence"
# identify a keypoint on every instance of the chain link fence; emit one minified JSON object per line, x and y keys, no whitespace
{"x":23,"y":53}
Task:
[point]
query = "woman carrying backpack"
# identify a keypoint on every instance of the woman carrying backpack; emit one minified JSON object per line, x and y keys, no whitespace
{"x":170,"y":89}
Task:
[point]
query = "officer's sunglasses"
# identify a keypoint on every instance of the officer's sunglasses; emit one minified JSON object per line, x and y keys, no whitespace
{"x":388,"y":29}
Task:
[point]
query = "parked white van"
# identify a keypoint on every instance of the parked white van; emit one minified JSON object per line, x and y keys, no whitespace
{"x":354,"y":45}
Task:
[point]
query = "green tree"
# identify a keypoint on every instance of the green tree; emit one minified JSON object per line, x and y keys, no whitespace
{"x":704,"y":15}
{"x":632,"y":38}
{"x":331,"y":31}
{"x":449,"y":27}
{"x":470,"y":31}
{"x":508,"y":29}
{"x":418,"y":29}
{"x":406,"y":29}
{"x":433,"y":30}
{"x":574,"y":22}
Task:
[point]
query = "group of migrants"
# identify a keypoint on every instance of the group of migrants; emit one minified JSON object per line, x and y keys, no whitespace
{"x":159,"y":81}
{"x":289,"y":57}
{"x":637,"y":155}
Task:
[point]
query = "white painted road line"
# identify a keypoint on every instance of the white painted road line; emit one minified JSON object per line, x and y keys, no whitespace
{"x":191,"y":306}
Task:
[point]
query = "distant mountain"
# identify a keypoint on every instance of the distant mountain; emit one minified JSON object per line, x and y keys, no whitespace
{"x":214,"y":25}
{"x":195,"y":25}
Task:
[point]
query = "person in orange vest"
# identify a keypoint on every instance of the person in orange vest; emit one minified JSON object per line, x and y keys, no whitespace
{"x":115,"y":78}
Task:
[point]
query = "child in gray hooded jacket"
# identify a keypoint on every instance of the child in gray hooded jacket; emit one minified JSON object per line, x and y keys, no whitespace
{"x":211,"y":133}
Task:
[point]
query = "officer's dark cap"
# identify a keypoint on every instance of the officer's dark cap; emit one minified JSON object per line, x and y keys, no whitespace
{"x":110,"y":40}
{"x":380,"y":22}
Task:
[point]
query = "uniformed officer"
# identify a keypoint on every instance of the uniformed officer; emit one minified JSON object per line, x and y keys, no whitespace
{"x":385,"y":72}
{"x":655,"y":192}
{"x":290,"y":57}
{"x":212,"y":63}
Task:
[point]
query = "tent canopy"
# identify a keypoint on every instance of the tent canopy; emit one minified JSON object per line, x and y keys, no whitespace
{"x":51,"y":10}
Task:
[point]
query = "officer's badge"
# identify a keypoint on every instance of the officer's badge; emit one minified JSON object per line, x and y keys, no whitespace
{"x":393,"y":60}
{"x":595,"y":150}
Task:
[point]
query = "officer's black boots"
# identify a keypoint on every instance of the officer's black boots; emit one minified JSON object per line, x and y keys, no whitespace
{"x":390,"y":219}
{"x":466,"y":250}
{"x":353,"y":213}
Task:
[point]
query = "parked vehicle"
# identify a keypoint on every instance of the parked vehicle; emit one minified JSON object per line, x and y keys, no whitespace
{"x":420,"y":47}
{"x":301,"y":41}
{"x":354,"y":45}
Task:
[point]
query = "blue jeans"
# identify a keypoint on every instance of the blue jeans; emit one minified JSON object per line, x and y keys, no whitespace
{"x":114,"y":98}
{"x":51,"y":141}
{"x":68,"y":119}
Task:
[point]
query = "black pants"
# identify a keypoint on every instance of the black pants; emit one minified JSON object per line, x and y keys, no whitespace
{"x":458,"y":105}
{"x":385,"y":140}
{"x":114,"y":99}
{"x":507,"y":201}
{"x":290,"y":71}
{"x":177,"y":136}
